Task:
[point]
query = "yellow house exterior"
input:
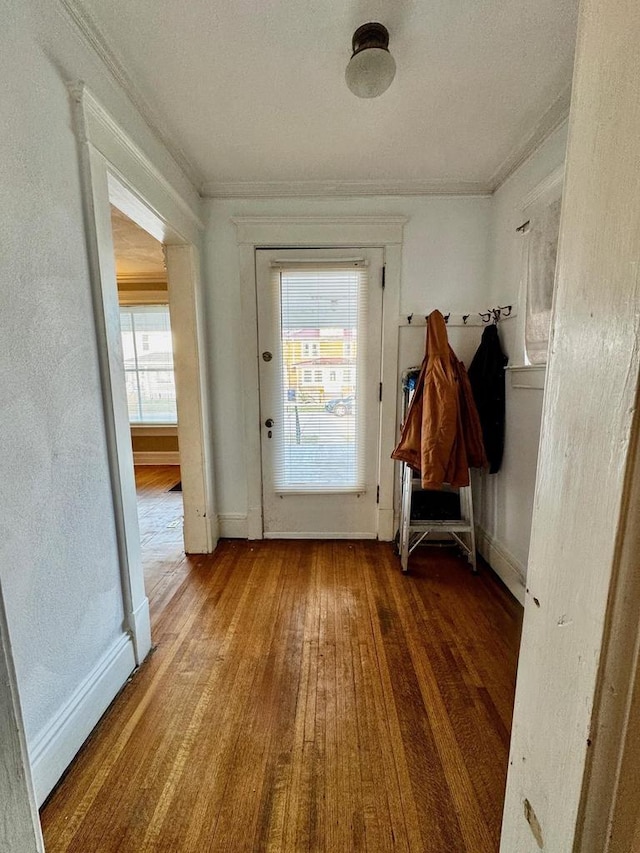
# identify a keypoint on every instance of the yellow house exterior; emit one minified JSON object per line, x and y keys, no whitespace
{"x":319,"y":364}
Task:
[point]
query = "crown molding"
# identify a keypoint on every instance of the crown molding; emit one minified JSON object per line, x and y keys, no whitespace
{"x":549,"y":122}
{"x":84,"y":25}
{"x":340,"y":189}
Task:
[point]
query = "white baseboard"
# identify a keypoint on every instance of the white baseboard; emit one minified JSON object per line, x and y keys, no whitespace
{"x":233,"y":525}
{"x":296,"y":535}
{"x":156,"y":457}
{"x":386,"y":524}
{"x":200,"y":531}
{"x":510,"y":571}
{"x":56,"y":746}
{"x":140,"y":627}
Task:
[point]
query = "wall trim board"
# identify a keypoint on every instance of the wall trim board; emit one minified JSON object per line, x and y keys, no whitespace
{"x":510,"y":571}
{"x":341,"y":189}
{"x":195,"y":439}
{"x":303,"y":536}
{"x":101,"y":130}
{"x":233,"y":525}
{"x":156,"y":457}
{"x":83,"y":25}
{"x":97,"y":211}
{"x":154,"y":430}
{"x":578,"y":663}
{"x":546,"y":186}
{"x":527,"y":376}
{"x":145,"y":278}
{"x":130,"y":298}
{"x":58,"y":743}
{"x":473,"y":319}
{"x":115,"y":171}
{"x":140,"y":630}
{"x":555,"y":116}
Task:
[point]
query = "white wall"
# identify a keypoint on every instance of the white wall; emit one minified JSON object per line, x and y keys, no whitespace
{"x":506,"y":498}
{"x":444,"y":265}
{"x":58,"y":557}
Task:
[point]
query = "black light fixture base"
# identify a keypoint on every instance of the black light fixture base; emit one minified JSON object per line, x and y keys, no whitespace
{"x":370,"y":35}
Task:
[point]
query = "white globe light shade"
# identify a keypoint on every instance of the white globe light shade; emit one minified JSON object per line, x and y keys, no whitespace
{"x":370,"y":72}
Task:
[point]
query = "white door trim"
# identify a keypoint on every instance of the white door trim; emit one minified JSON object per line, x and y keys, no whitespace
{"x":114,"y":170}
{"x":264,"y":232}
{"x":572,"y":783}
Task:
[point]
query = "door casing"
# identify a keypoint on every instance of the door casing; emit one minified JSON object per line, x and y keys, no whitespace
{"x":258,"y":232}
{"x":115,"y":171}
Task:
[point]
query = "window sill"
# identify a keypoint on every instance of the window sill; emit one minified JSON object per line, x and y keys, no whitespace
{"x":154,"y":429}
{"x":528,"y":376}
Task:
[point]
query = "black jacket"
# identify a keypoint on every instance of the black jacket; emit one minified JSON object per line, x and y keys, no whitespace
{"x":486,"y":374}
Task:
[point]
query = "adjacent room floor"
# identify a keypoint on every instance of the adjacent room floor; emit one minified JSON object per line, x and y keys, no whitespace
{"x":306,"y":696}
{"x":160,"y":515}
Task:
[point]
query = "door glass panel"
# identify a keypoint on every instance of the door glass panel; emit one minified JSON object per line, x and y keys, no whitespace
{"x":322,"y":311}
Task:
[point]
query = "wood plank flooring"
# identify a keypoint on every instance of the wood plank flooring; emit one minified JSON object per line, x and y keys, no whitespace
{"x":160,"y":517}
{"x":306,"y":696}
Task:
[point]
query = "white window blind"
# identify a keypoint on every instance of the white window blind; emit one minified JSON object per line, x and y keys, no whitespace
{"x":148,"y":364}
{"x":322,"y":320}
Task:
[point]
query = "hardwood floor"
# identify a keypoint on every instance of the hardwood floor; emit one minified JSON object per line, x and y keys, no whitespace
{"x":305,"y":696}
{"x":160,"y":516}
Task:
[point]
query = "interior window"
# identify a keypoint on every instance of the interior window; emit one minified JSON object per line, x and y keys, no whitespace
{"x":148,"y":364}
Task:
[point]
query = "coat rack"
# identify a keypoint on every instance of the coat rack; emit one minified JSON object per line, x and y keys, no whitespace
{"x":475,"y":318}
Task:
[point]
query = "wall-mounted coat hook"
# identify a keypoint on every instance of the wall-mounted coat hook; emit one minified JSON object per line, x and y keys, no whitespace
{"x":465,"y":317}
{"x":486,"y":317}
{"x":446,"y":317}
{"x":409,"y":318}
{"x":506,"y":309}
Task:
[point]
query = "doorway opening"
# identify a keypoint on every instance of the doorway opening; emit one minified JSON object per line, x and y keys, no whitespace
{"x":149,"y":376}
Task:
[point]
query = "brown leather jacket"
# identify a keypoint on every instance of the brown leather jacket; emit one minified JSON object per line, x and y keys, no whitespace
{"x":441,"y":436}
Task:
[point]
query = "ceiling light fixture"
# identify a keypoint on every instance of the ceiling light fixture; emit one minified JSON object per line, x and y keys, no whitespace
{"x":371,"y":68}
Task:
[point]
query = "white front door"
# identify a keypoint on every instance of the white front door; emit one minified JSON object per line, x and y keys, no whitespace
{"x":319,"y":333}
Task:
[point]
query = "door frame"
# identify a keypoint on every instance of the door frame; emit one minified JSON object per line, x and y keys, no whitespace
{"x":573,"y":765}
{"x":314,"y":232}
{"x":114,"y":170}
{"x":339,"y":515}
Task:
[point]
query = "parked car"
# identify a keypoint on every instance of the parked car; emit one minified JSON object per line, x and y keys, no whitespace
{"x":341,"y":406}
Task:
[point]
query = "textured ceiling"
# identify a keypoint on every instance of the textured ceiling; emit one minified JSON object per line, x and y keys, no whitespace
{"x":138,"y":254}
{"x":253,"y":90}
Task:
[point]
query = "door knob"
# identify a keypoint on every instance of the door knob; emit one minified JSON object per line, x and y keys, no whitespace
{"x":269,"y":423}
